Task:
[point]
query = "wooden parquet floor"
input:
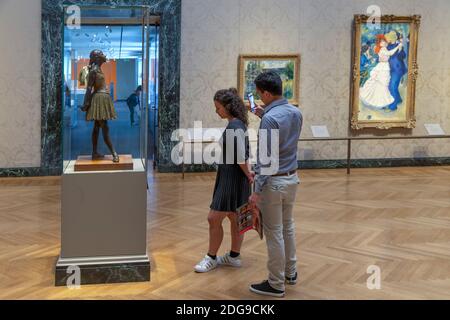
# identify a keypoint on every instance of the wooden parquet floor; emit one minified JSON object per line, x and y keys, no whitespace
{"x":397,"y":219}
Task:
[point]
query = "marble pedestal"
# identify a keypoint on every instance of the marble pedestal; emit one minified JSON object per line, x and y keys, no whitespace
{"x":103,"y":227}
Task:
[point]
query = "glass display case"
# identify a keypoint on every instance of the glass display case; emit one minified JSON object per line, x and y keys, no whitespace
{"x":110,"y":80}
{"x":128,"y":37}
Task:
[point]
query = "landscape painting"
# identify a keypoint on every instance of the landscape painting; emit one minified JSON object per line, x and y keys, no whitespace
{"x":287,"y":66}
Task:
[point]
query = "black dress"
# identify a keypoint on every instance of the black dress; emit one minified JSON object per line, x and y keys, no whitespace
{"x":232,"y":188}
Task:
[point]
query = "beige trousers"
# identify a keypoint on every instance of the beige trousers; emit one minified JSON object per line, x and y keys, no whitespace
{"x":276,"y":206}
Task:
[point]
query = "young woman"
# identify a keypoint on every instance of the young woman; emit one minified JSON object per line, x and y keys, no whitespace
{"x":233,"y":181}
{"x":375,"y":93}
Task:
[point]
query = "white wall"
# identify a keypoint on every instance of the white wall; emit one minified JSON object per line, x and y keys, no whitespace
{"x":20,"y":83}
{"x":215,"y":32}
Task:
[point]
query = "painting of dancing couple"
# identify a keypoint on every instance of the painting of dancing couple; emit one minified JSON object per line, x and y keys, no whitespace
{"x":384,"y":72}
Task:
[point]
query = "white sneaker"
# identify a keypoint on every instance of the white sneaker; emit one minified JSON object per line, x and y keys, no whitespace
{"x":227,"y":260}
{"x":206,"y":265}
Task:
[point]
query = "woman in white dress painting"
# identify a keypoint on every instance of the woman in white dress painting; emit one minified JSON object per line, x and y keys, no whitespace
{"x":375,"y":92}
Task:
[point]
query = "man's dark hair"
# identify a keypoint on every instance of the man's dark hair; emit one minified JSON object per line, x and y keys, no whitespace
{"x":270,"y":81}
{"x":139,"y":88}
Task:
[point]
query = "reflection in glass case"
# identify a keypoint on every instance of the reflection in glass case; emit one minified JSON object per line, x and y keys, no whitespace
{"x":110,"y":80}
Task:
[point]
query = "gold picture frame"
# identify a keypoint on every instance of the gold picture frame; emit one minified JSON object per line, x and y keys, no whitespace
{"x":287,"y":65}
{"x":372,"y":106}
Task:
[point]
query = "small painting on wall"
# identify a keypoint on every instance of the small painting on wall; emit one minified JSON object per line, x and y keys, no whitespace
{"x":384,"y":72}
{"x":287,"y":66}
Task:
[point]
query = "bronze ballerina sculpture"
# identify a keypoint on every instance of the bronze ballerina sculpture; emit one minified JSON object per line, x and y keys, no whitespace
{"x":98,"y":104}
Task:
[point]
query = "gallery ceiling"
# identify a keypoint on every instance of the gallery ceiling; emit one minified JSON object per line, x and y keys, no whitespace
{"x":117,"y":42}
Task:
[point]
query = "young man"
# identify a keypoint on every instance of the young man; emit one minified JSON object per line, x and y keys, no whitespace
{"x":133,"y":101}
{"x":276,"y":182}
